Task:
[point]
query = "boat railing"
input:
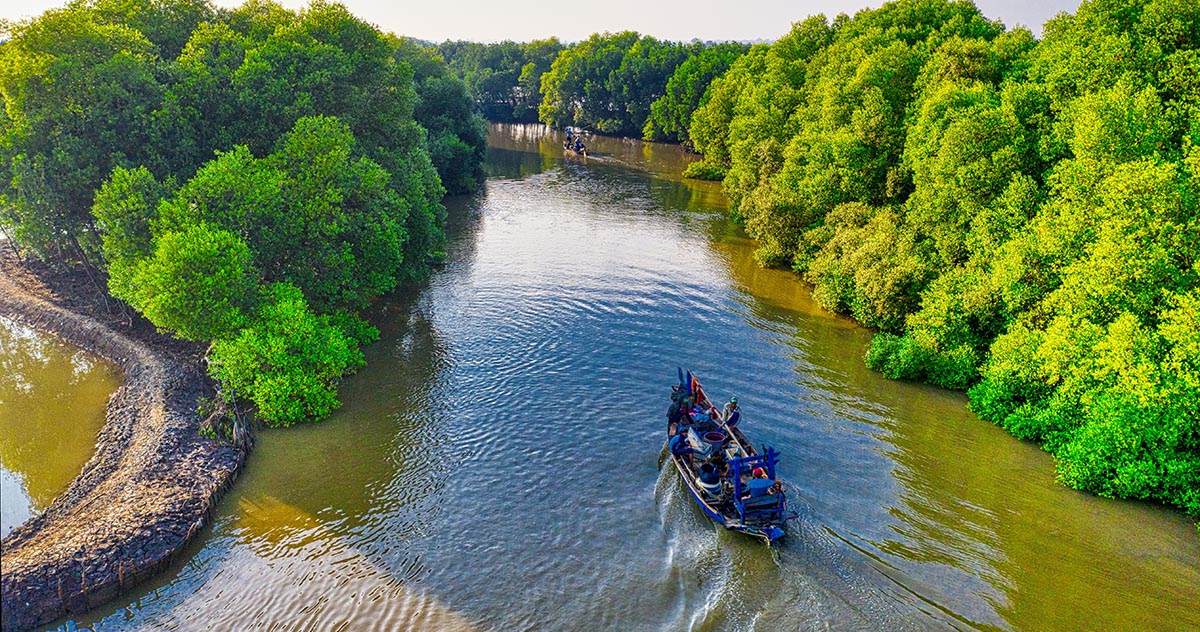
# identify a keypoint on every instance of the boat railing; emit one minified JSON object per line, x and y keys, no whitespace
{"x":767,"y":505}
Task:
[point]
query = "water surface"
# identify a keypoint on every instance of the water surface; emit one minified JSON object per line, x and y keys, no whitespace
{"x":52,"y":400}
{"x":497,"y":463}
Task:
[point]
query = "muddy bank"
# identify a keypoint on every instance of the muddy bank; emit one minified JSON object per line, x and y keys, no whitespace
{"x":153,"y":480}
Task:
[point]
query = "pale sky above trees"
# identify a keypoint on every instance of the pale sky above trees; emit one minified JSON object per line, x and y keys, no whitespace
{"x":523,"y":20}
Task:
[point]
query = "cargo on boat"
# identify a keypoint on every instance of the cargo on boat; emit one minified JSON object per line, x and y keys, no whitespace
{"x":733,"y":483}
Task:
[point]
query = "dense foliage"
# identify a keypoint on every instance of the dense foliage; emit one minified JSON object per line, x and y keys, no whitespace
{"x":577,"y":90}
{"x":671,"y":114}
{"x":631,"y":85}
{"x":249,"y":177}
{"x":624,"y":83}
{"x":457,"y":138}
{"x":1019,"y":218}
{"x":504,"y":79}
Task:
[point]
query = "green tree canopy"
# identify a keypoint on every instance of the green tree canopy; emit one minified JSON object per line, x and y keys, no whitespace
{"x":106,"y":84}
{"x":576,"y":90}
{"x":80,"y":97}
{"x":289,"y":362}
{"x":503,"y":79}
{"x":1019,"y":218}
{"x":199,"y":283}
{"x":457,"y":139}
{"x":334,"y":145}
{"x":671,"y":114}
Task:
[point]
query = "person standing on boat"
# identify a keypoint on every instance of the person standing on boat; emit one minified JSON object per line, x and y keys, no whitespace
{"x":731,"y":414}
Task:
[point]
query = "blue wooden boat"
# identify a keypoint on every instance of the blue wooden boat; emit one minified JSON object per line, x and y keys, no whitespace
{"x":733,"y":483}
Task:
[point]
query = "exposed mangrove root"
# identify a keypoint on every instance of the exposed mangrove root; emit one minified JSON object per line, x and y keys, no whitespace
{"x":153,"y":480}
{"x":224,"y":421}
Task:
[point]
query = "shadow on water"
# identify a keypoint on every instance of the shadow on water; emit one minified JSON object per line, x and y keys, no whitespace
{"x":497,"y":465}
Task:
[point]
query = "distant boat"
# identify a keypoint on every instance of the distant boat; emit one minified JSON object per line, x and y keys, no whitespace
{"x":573,"y":144}
{"x":578,"y":150}
{"x":721,"y":472}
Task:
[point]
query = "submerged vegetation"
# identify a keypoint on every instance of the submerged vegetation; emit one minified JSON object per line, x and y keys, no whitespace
{"x":250,"y":178}
{"x":1018,"y":218}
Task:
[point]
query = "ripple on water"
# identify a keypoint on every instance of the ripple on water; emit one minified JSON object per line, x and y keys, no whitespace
{"x":497,"y":463}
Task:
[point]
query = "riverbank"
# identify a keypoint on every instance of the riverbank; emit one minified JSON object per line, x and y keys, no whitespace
{"x":153,"y":480}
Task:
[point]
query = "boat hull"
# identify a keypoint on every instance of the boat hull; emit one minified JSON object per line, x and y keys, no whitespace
{"x":769,"y":534}
{"x":739,"y":500}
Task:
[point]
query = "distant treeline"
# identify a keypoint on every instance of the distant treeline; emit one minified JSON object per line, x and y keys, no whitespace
{"x":250,"y":178}
{"x":622,"y":84}
{"x":1018,"y":218}
{"x":504,"y":79}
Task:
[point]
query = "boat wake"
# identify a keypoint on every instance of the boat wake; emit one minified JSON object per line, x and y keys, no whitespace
{"x":813,"y":580}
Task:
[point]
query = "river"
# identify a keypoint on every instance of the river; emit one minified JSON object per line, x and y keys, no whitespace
{"x":497,"y":463}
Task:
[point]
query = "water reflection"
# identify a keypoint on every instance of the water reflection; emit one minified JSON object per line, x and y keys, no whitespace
{"x":496,"y":464}
{"x":52,"y":400}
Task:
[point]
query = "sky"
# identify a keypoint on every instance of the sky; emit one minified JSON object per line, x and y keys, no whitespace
{"x":523,"y":20}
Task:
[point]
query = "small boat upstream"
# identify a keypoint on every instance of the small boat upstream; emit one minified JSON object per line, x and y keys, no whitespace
{"x":573,"y":143}
{"x":732,"y":482}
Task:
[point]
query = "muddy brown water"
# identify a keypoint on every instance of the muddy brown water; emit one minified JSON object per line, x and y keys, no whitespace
{"x":497,"y":463}
{"x":52,"y":399}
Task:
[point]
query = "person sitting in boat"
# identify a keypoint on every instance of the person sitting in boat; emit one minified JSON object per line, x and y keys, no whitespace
{"x":578,"y":145}
{"x":680,"y":403}
{"x":708,"y":422}
{"x":721,"y":463}
{"x":759,"y":484}
{"x":700,"y":418}
{"x":710,"y":477}
{"x":680,"y":415}
{"x":731,"y":413}
{"x":681,"y":447}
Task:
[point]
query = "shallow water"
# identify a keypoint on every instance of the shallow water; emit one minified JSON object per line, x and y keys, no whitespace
{"x":497,"y":464}
{"x":52,"y":400}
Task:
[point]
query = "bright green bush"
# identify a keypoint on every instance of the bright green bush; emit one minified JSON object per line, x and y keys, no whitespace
{"x":671,"y":114}
{"x":1019,"y":218}
{"x":904,"y":358}
{"x":704,"y":170}
{"x":288,"y":362}
{"x":200,"y":283}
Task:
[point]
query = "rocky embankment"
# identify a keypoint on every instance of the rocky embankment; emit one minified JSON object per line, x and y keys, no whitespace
{"x":153,"y":480}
